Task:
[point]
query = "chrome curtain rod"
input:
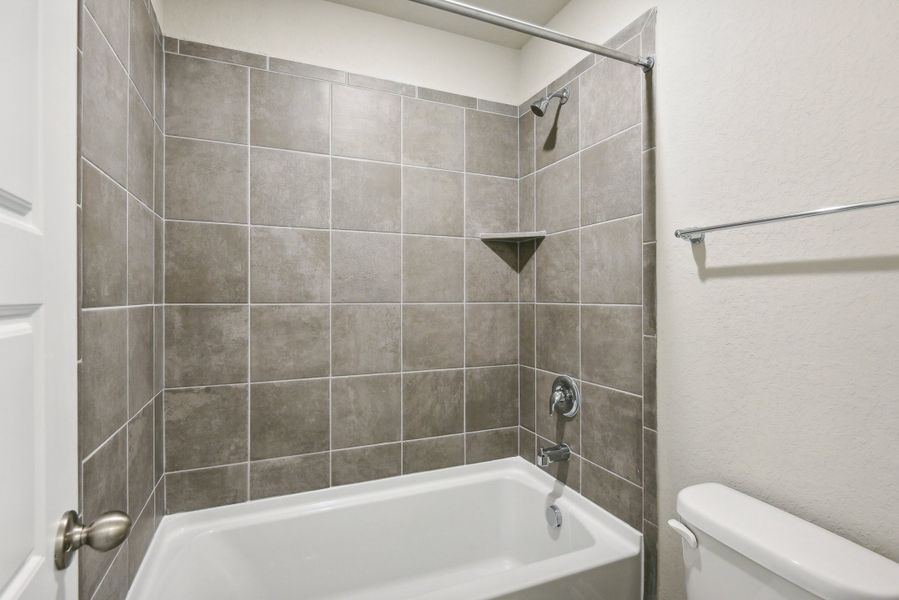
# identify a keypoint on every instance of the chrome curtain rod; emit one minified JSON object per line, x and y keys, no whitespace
{"x":696,"y":235}
{"x":494,"y":18}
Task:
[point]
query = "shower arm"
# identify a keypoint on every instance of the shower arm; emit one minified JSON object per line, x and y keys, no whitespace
{"x":487,"y":16}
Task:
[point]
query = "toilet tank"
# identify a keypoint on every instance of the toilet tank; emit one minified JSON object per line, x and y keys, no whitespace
{"x":748,"y":550}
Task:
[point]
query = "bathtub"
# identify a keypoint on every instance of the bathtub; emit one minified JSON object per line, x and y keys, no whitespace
{"x":465,"y":533}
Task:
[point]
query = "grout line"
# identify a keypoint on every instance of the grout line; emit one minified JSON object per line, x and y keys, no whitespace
{"x":331,"y":284}
{"x":249,"y":283}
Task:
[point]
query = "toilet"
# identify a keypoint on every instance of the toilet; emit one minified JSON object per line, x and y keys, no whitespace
{"x":738,"y":548}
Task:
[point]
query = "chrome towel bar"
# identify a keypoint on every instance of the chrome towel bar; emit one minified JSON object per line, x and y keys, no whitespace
{"x":696,"y":235}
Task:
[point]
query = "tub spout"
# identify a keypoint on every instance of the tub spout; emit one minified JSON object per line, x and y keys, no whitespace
{"x":553,"y":454}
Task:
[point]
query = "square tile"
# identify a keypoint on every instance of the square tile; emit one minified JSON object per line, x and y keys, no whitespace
{"x":365,"y":339}
{"x":140,"y":460}
{"x":491,"y":205}
{"x":140,"y":148}
{"x":432,"y":135}
{"x":433,"y":201}
{"x":222,"y":54}
{"x":205,"y":488}
{"x":482,"y":446}
{"x":527,"y":445}
{"x":611,"y":92}
{"x":205,"y":99}
{"x":138,"y":540}
{"x":105,"y":482}
{"x":205,"y":426}
{"x":365,"y":124}
{"x":557,"y":339}
{"x":650,"y":477}
{"x":612,"y":346}
{"x":649,"y":196}
{"x":649,"y":289}
{"x":491,"y":144}
{"x":384,"y":85}
{"x":104,"y":217}
{"x":433,"y":403}
{"x":205,"y":262}
{"x":288,"y":342}
{"x":102,"y":376}
{"x":526,"y":140}
{"x":365,"y":267}
{"x":205,"y":181}
{"x":447,"y":97}
{"x":205,"y":345}
{"x":432,"y":269}
{"x":491,"y":398}
{"x":567,"y":472}
{"x":142,"y":52}
{"x":289,"y":189}
{"x":289,"y":418}
{"x":556,"y":133}
{"x":650,"y":418}
{"x":289,"y":265}
{"x":526,"y":332}
{"x":491,"y":271}
{"x":289,"y":112}
{"x":491,"y":334}
{"x":618,"y":496}
{"x":432,"y":336}
{"x":365,"y":410}
{"x":527,"y":400}
{"x":527,"y":203}
{"x":435,"y":453}
{"x":289,"y":475}
{"x":112,"y":18}
{"x":611,"y":270}
{"x":140,"y":357}
{"x":612,"y":179}
{"x":303,"y":70}
{"x":366,"y":195}
{"x":613,"y":431}
{"x":555,"y":428}
{"x":365,"y":464}
{"x":158,"y":260}
{"x":557,"y":196}
{"x":558,"y":257}
{"x":141,"y":253}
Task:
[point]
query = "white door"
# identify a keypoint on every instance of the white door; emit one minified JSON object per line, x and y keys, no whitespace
{"x":38,"y":422}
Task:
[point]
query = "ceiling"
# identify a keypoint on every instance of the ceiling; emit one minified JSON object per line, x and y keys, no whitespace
{"x":535,"y":11}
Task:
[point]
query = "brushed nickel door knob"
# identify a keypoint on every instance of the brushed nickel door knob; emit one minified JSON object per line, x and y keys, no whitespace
{"x":107,"y":531}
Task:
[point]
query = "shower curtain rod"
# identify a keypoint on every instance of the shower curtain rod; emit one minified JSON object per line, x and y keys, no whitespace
{"x":487,"y":16}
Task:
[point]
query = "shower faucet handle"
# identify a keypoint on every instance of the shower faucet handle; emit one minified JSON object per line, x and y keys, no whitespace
{"x":565,"y":396}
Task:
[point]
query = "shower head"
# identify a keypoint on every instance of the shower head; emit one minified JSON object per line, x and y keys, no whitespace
{"x":539,"y":107}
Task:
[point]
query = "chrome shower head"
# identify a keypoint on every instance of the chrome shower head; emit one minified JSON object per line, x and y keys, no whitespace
{"x":539,"y":107}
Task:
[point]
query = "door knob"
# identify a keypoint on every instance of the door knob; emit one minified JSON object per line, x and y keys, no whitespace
{"x":107,"y":531}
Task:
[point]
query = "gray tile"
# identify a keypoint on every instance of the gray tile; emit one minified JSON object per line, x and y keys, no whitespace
{"x":611,"y":266}
{"x":205,"y":262}
{"x":365,"y":267}
{"x":527,"y":398}
{"x":611,"y":92}
{"x":650,"y":477}
{"x":383,"y":85}
{"x":491,"y":205}
{"x":432,"y":201}
{"x":158,"y":260}
{"x":491,"y":398}
{"x":557,"y":339}
{"x":491,"y":273}
{"x":105,"y":481}
{"x":581,"y":66}
{"x":158,"y":171}
{"x":447,"y":97}
{"x":159,"y":348}
{"x":114,"y":585}
{"x":102,"y":377}
{"x":247,"y":59}
{"x":158,"y":83}
{"x":649,"y":383}
{"x":498,"y":107}
{"x":558,"y":259}
{"x":433,"y":403}
{"x":491,"y":334}
{"x":612,"y":346}
{"x":112,"y":18}
{"x":432,"y":336}
{"x":170,"y":44}
{"x":365,"y":339}
{"x":289,"y":418}
{"x":289,"y":475}
{"x":140,"y":460}
{"x":205,"y":99}
{"x":205,"y":181}
{"x":205,"y":488}
{"x":142,"y":53}
{"x":366,"y":195}
{"x":556,"y":134}
{"x":611,"y":178}
{"x":649,"y":289}
{"x":288,"y":342}
{"x":103,"y":240}
{"x":289,"y":265}
{"x":140,"y":357}
{"x":435,"y":453}
{"x":491,"y":144}
{"x":527,"y":203}
{"x":649,"y":196}
{"x":613,"y":431}
{"x":140,"y":147}
{"x":365,"y":124}
{"x":289,"y":112}
{"x":482,"y":446}
{"x":158,"y":439}
{"x":526,"y":334}
{"x":557,"y":196}
{"x":139,"y":538}
{"x":527,"y":445}
{"x":141,"y":253}
{"x":303,"y":70}
{"x":365,"y":464}
{"x":556,"y":428}
{"x":289,"y":189}
{"x":205,"y":426}
{"x":104,"y":105}
{"x":616,"y":495}
{"x":527,"y":272}
{"x":433,"y":135}
{"x":651,"y":561}
{"x":526,"y":140}
{"x":365,"y":410}
{"x":205,"y":345}
{"x":432,"y":269}
{"x":567,"y":472}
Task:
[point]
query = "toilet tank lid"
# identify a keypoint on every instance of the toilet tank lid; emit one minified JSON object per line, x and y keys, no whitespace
{"x":810,"y":557}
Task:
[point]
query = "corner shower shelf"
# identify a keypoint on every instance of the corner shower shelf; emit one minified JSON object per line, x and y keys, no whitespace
{"x":513,"y":237}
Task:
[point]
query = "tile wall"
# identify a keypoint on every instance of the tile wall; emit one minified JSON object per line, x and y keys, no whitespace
{"x":120,"y":287}
{"x":588,"y":289}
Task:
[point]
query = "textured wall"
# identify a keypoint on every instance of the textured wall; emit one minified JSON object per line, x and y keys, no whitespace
{"x":120,"y":228}
{"x":588,"y":289}
{"x":331,"y":315}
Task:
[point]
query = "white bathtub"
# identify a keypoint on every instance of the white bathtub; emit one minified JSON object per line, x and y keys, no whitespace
{"x":466,"y":533}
